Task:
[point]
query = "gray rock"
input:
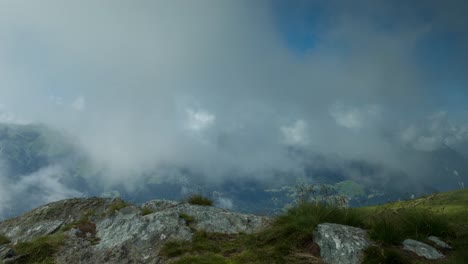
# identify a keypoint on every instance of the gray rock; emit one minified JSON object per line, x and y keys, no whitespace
{"x":159,"y":205}
{"x":130,"y":237}
{"x":212,"y":219}
{"x":340,"y":244}
{"x":48,"y":219}
{"x":6,"y":252}
{"x":422,"y":249}
{"x":125,"y":236}
{"x":26,"y":233}
{"x":439,"y":242}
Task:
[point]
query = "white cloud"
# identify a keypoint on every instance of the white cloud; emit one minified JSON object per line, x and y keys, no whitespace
{"x":56,"y":100}
{"x":79,"y":104}
{"x":353,"y":117}
{"x":435,"y":133}
{"x":224,"y":203}
{"x":41,"y":187}
{"x":9,"y":117}
{"x":199,"y":120}
{"x":296,"y":134}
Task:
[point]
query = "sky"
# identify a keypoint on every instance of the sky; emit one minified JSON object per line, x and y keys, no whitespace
{"x":222,"y":86}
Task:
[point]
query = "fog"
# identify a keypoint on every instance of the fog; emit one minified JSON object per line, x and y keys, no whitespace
{"x":217,"y":86}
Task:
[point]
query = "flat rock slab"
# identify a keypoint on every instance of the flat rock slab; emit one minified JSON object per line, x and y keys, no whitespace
{"x":340,"y":244}
{"x":439,"y":242}
{"x":422,"y":249}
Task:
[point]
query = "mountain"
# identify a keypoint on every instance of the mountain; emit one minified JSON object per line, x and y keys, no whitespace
{"x":98,"y":230}
{"x":39,"y":165}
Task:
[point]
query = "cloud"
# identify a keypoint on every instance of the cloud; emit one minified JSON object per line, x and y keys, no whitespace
{"x":28,"y":191}
{"x":79,"y":104}
{"x":437,"y":132}
{"x":354,"y":118}
{"x":295,"y":134}
{"x":199,"y":120}
{"x":9,"y":117}
{"x":156,"y":76}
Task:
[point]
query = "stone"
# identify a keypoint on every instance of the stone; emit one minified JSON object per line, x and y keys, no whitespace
{"x":422,"y":249}
{"x":439,"y":242}
{"x":126,"y":235}
{"x":340,"y":244}
{"x":6,"y":253}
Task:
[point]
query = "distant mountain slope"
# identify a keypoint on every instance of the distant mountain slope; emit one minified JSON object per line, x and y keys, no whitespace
{"x":40,"y":165}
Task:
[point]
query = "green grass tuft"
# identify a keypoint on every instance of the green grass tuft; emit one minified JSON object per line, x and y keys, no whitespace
{"x":39,"y":250}
{"x":188,"y":218}
{"x":4,"y":240}
{"x":205,"y":259}
{"x":394,"y":226}
{"x":198,"y":199}
{"x":376,"y":255}
{"x":146,"y":211}
{"x":117,"y":205}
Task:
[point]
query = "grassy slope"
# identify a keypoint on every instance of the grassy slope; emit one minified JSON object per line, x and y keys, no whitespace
{"x":289,"y":239}
{"x":452,"y":204}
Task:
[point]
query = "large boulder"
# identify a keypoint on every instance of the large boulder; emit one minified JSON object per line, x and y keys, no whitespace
{"x":340,"y":244}
{"x":422,"y":249}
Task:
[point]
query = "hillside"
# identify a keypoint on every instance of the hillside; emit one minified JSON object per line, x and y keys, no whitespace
{"x":96,"y":230}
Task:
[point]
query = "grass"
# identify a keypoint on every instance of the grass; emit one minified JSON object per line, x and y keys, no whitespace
{"x":392,"y":227}
{"x":85,"y":226}
{"x":288,"y":236}
{"x":207,"y":259}
{"x":289,"y":239}
{"x":39,"y":250}
{"x":146,"y":211}
{"x":188,"y":218}
{"x":4,"y":240}
{"x":204,"y":246}
{"x":199,"y":199}
{"x":376,"y":255}
{"x":117,"y":205}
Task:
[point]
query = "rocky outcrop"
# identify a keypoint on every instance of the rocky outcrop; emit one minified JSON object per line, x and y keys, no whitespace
{"x":108,"y":231}
{"x":422,"y":249}
{"x":439,"y":242}
{"x":49,"y":218}
{"x":340,"y":244}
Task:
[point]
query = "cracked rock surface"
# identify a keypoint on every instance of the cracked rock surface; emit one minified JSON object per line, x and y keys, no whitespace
{"x":125,"y":235}
{"x":340,"y":244}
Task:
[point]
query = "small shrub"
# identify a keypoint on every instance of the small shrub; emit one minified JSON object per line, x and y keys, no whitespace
{"x":188,"y":218}
{"x":39,"y":250}
{"x":85,"y":226}
{"x":199,"y":199}
{"x":4,"y":240}
{"x":392,"y":227}
{"x":117,"y":205}
{"x":146,"y":211}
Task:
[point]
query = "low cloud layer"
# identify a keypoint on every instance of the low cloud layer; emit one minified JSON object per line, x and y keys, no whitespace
{"x":217,"y":86}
